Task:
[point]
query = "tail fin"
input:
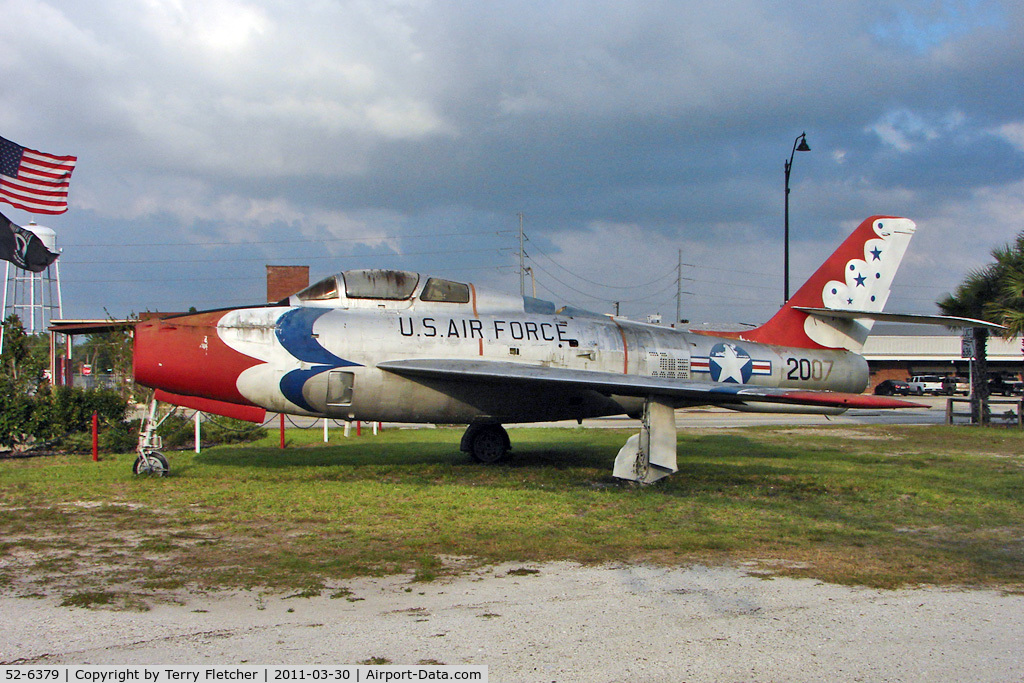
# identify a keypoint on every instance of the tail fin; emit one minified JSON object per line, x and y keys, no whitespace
{"x":856,"y":277}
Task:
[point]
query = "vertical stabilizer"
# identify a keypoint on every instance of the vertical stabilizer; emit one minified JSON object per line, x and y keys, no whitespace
{"x":856,"y":277}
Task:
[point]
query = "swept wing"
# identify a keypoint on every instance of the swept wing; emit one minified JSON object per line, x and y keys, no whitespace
{"x":705,"y":393}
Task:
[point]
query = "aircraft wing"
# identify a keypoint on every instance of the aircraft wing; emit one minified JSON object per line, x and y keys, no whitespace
{"x":704,"y":393}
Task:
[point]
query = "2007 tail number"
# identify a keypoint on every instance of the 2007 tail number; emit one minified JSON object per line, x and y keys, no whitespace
{"x":805,"y":369}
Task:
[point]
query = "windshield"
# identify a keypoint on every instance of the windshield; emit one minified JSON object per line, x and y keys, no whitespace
{"x":321,"y":291}
{"x":447,"y":291}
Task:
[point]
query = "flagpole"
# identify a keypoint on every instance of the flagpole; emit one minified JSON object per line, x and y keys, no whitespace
{"x":7,"y":275}
{"x":32,"y":301}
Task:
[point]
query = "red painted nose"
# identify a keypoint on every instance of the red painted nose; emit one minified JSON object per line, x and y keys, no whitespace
{"x":185,"y":355}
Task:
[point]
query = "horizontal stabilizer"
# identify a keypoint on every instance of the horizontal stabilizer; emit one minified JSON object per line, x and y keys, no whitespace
{"x":911,"y":318}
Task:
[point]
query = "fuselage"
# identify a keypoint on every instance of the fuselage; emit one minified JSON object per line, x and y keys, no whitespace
{"x":317,"y":354}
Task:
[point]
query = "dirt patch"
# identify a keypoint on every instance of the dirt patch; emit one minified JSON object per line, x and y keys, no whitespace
{"x":564,"y":623}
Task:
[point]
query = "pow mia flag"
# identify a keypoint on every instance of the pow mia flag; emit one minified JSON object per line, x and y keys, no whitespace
{"x":23,"y":248}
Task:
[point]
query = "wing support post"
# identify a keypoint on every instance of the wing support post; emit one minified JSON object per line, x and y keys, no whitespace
{"x":651,"y":454}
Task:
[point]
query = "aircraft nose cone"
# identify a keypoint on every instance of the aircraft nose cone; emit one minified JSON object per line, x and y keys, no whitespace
{"x":185,"y":355}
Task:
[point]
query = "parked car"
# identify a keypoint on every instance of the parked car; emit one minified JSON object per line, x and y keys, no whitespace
{"x":1004,"y":386}
{"x":956,"y":385}
{"x":889,"y":387}
{"x":925,"y":384}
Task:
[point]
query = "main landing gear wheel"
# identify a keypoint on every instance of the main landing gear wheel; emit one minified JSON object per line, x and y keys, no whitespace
{"x":153,"y":464}
{"x":486,"y":443}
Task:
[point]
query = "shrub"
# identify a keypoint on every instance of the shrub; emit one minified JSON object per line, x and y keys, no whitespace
{"x":118,"y":438}
{"x":55,"y":414}
{"x":65,"y":410}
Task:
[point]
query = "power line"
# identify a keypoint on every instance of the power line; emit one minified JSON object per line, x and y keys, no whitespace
{"x":649,"y":295}
{"x":309,"y":240}
{"x":597,"y":298}
{"x":295,"y":258}
{"x":731,"y":271}
{"x":652,"y":294}
{"x":240,"y":278}
{"x":564,"y":284}
{"x":592,"y":282}
{"x":556,"y":295}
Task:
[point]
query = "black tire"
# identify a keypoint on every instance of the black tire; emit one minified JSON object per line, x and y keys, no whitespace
{"x":489,"y":444}
{"x":155,"y":465}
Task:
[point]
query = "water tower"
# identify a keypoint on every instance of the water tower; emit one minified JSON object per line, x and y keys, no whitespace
{"x":34,"y":297}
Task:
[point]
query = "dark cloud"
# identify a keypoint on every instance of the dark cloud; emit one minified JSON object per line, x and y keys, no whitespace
{"x":246,"y":131}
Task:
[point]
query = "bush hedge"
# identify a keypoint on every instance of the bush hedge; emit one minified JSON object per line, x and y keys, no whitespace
{"x":51,"y":416}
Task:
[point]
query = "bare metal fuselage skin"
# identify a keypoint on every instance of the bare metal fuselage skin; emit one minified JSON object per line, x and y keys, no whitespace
{"x":345,"y":383}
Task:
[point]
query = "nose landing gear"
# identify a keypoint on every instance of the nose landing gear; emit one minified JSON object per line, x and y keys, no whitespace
{"x":151,"y":461}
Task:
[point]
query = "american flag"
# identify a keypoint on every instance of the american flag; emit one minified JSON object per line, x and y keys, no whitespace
{"x":34,"y":181}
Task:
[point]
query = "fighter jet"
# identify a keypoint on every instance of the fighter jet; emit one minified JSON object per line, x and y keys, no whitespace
{"x":388,"y":345}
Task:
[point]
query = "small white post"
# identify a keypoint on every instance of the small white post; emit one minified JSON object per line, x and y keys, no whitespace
{"x":348,"y":427}
{"x":198,"y":417}
{"x":7,"y":279}
{"x":326,"y":438}
{"x":375,"y":425}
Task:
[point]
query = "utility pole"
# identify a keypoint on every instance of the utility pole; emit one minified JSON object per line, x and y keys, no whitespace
{"x":522,"y":255}
{"x":679,"y":290}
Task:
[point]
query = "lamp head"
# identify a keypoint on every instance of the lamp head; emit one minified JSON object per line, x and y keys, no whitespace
{"x":803,"y":146}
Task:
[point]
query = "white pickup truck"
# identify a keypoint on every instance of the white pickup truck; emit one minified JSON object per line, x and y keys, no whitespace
{"x":925,"y":384}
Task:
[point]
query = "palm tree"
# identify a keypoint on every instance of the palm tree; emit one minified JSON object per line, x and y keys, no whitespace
{"x":1008,"y":307}
{"x":994,"y":293}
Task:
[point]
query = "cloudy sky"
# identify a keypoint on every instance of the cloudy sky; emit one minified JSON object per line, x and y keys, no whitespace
{"x":217,"y":136}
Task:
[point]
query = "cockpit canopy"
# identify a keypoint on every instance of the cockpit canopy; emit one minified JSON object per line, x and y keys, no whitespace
{"x":394,"y":285}
{"x":384,"y":285}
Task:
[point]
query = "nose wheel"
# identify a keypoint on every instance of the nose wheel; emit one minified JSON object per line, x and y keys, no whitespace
{"x":486,"y":443}
{"x":153,"y":464}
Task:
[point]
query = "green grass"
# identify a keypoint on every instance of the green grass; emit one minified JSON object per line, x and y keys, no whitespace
{"x":880,"y":506}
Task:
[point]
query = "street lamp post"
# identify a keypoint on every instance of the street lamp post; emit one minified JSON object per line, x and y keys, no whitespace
{"x":799,"y":145}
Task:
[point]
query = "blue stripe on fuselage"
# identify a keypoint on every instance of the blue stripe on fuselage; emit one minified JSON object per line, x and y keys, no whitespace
{"x":295,"y":332}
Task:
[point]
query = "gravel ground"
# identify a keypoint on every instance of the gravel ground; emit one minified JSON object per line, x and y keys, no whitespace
{"x":559,"y":622}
